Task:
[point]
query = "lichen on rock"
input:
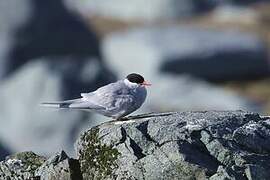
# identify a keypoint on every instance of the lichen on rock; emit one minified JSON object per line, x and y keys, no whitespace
{"x":20,"y":166}
{"x":97,"y":159}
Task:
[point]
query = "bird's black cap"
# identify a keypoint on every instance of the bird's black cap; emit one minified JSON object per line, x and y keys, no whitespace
{"x":135,"y":78}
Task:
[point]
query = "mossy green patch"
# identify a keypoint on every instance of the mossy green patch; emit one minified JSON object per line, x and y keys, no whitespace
{"x":97,"y":160}
{"x":29,"y":161}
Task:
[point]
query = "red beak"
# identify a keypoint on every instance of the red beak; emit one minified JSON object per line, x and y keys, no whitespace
{"x":146,"y":83}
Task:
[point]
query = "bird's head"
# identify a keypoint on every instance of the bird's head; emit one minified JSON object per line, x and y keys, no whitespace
{"x":134,"y":79}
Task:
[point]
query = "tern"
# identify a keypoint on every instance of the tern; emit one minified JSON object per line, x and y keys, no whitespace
{"x":115,"y":100}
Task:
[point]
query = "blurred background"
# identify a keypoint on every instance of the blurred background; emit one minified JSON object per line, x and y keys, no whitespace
{"x":199,"y":55}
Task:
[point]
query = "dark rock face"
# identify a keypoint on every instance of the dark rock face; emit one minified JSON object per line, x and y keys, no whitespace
{"x":210,"y":145}
{"x":246,"y":2}
{"x":56,"y":33}
{"x":225,"y":56}
{"x":188,"y":145}
{"x":4,"y":151}
{"x":222,"y":66}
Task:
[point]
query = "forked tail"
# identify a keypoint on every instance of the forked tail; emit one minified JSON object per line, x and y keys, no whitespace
{"x":80,"y":104}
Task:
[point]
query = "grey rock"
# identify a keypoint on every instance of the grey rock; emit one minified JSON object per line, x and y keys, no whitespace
{"x":59,"y":167}
{"x":20,"y":166}
{"x":10,"y":21}
{"x":255,"y":136}
{"x":151,"y":10}
{"x":221,"y":174}
{"x":29,"y":166}
{"x":185,"y":145}
{"x":215,"y":55}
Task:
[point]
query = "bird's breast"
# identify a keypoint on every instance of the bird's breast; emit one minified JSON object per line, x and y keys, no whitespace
{"x":141,"y":94}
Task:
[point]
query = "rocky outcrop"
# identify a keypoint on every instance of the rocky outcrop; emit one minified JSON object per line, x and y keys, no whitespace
{"x":178,"y":145}
{"x":188,"y":145}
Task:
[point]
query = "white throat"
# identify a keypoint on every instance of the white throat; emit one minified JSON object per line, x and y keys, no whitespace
{"x":131,"y":84}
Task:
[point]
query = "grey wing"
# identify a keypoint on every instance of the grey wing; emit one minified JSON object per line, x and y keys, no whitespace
{"x":113,"y":96}
{"x":86,"y":106}
{"x":114,"y":88}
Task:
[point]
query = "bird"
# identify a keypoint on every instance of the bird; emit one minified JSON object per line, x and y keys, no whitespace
{"x":115,"y":100}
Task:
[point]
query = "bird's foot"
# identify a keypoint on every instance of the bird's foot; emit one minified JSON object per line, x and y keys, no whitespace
{"x":147,"y":115}
{"x":141,"y":116}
